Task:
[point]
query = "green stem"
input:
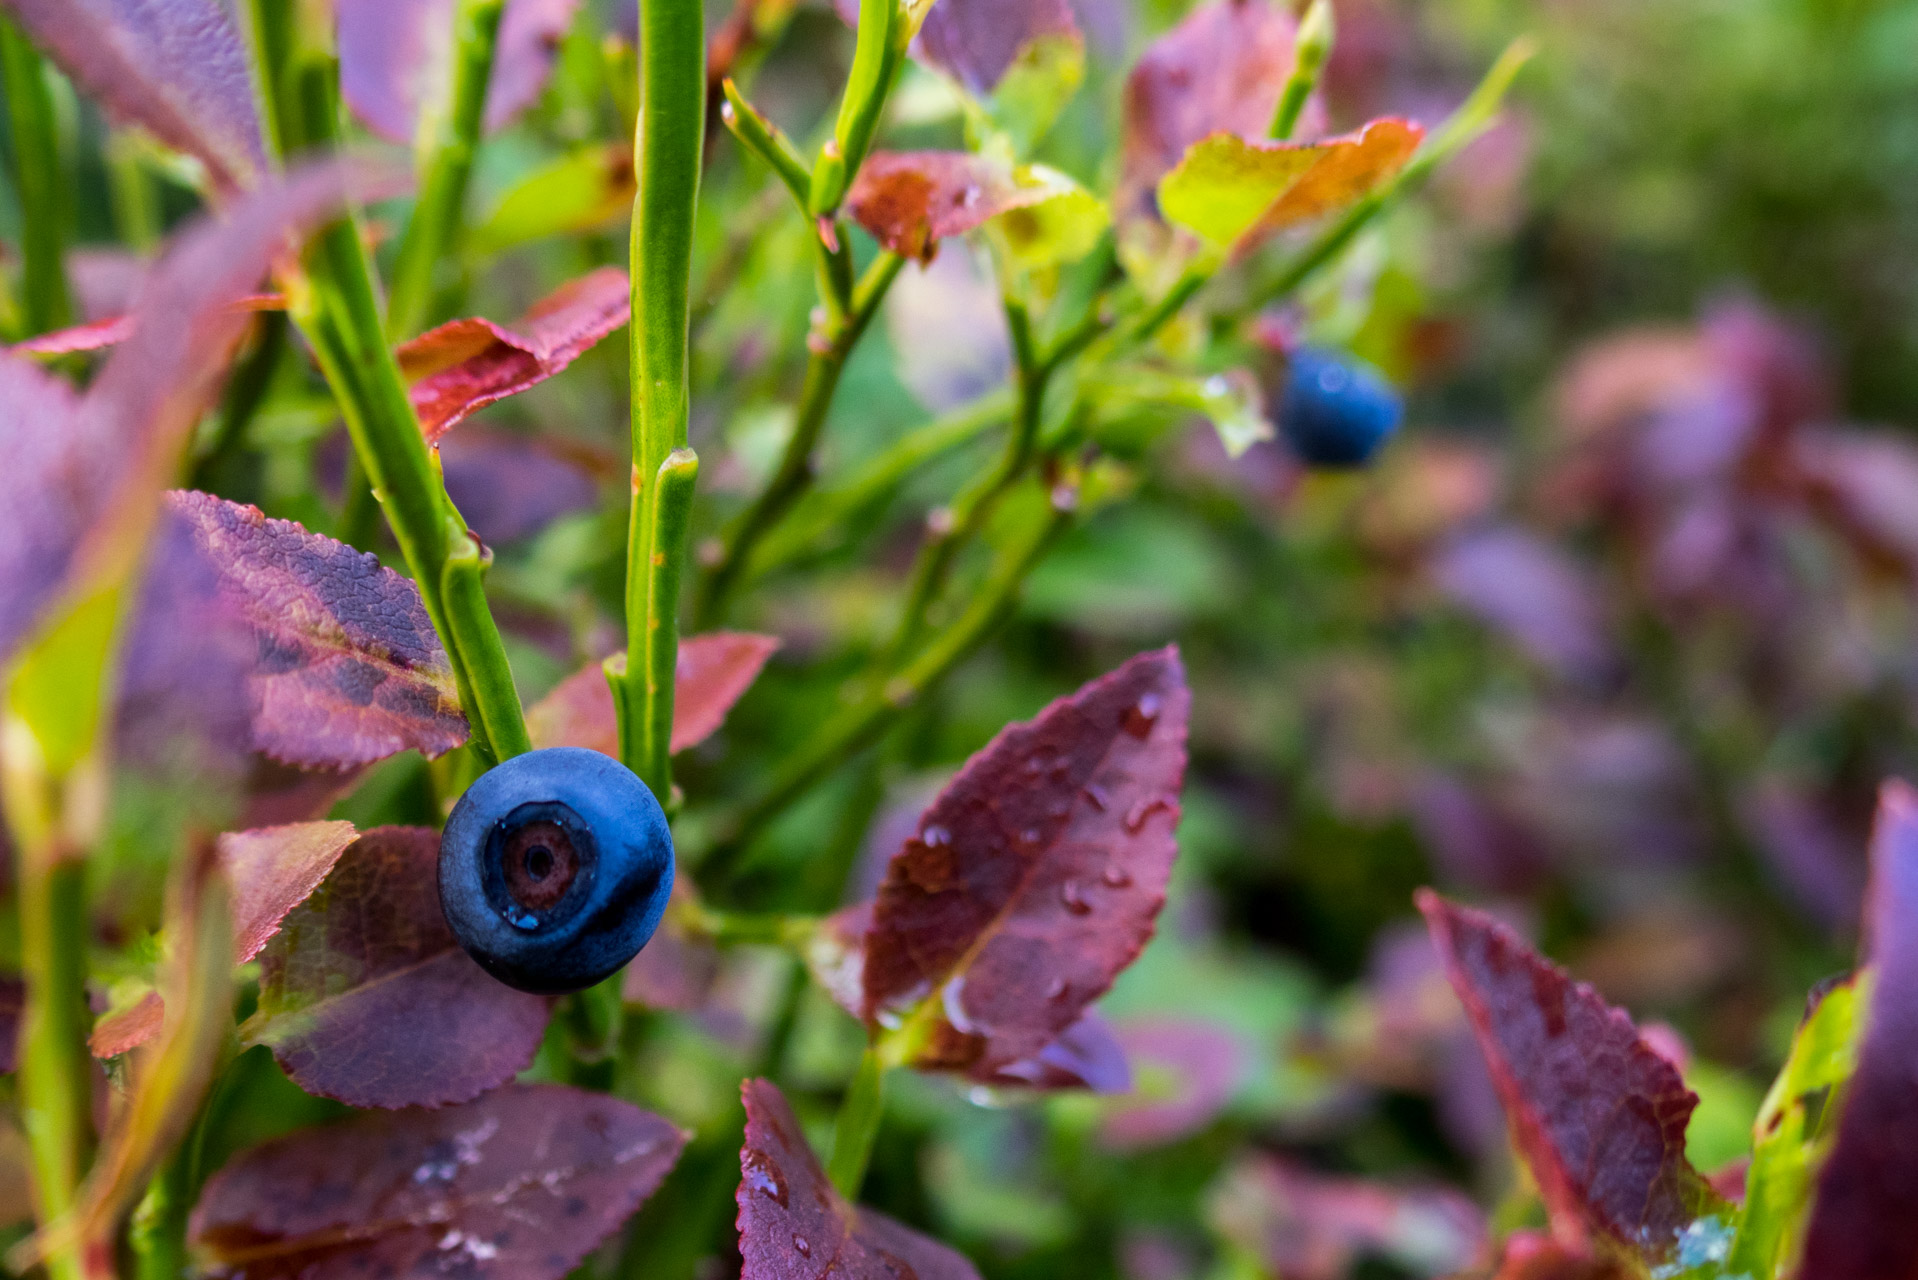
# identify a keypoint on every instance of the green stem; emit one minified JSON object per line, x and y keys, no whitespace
{"x":56,"y":1071}
{"x":157,"y":1234}
{"x":1310,"y":49}
{"x":795,"y":471}
{"x":463,"y":598}
{"x":433,"y":232}
{"x":136,"y":204}
{"x":670,"y":521}
{"x":339,"y":312}
{"x":858,"y":1124}
{"x":764,"y":139}
{"x":875,"y":61}
{"x":860,"y":725}
{"x":819,"y":515}
{"x":670,"y":137}
{"x":40,"y":181}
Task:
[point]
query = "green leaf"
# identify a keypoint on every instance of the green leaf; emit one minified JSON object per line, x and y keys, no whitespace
{"x":1787,"y":1136}
{"x":1061,"y":227}
{"x":578,"y":192}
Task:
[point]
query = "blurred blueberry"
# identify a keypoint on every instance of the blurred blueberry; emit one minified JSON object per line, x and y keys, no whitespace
{"x":1336,"y":410}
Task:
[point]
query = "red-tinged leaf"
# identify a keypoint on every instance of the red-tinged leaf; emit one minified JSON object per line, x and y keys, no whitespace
{"x":1533,"y":593}
{"x":1311,"y":1226}
{"x":519,"y":1185}
{"x":110,"y":332}
{"x":1218,"y":71}
{"x":794,"y":1226}
{"x":349,"y":668}
{"x":1036,"y":875}
{"x":397,"y":54}
{"x":366,"y":997}
{"x":911,"y":200}
{"x":279,"y":794}
{"x":714,"y":670}
{"x":1863,"y":484}
{"x":1598,"y":1115}
{"x":1087,"y":1055}
{"x":1184,"y":1074}
{"x":836,"y":956}
{"x":273,"y":870}
{"x":1861,"y":1225}
{"x":176,"y":67}
{"x":977,"y":41}
{"x":1233,"y":191}
{"x":465,"y":365}
{"x":127,"y":1029}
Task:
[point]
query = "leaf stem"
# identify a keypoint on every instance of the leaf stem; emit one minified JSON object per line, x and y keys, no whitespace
{"x":668,"y":149}
{"x":875,"y":61}
{"x":40,"y":181}
{"x":433,"y":232}
{"x":858,"y":1124}
{"x":794,"y":475}
{"x":1310,"y":49}
{"x":765,"y":140}
{"x":671,"y":524}
{"x":463,"y":599}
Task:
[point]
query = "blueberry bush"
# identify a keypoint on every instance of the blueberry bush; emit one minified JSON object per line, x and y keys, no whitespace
{"x":925,"y":759}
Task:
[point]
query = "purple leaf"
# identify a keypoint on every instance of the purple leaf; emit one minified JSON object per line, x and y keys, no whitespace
{"x":1185,"y":1071}
{"x":1861,"y":1225}
{"x":1036,"y":875}
{"x":1534,"y":594}
{"x":509,"y":486}
{"x":1087,"y":1055}
{"x":794,"y":1226}
{"x":176,"y":67}
{"x":366,"y":997}
{"x":349,"y":670}
{"x":1597,"y":1114}
{"x":977,"y":41}
{"x":519,"y":1185}
{"x":273,"y":870}
{"x":397,"y":54}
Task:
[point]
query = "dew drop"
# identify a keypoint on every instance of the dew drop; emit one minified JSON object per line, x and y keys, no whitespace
{"x":1136,"y":816}
{"x":1142,"y":715}
{"x":953,"y":997}
{"x":1057,"y":988}
{"x":1030,"y":836}
{"x":935,"y":837}
{"x":1075,"y":898}
{"x":805,"y":1247}
{"x":1097,"y":794}
{"x":765,"y":1179}
{"x":1116,"y":876}
{"x":1059,"y":807}
{"x":1035,"y":765}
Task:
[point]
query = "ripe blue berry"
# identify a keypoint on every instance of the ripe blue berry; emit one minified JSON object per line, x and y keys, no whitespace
{"x":1336,"y":410}
{"x":555,"y":868}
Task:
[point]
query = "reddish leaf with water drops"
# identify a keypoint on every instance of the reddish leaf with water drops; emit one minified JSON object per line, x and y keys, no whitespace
{"x":1861,"y":1225}
{"x":519,"y":1185}
{"x":714,"y":670}
{"x":794,"y":1226}
{"x":465,"y":365}
{"x":366,"y":997}
{"x":176,"y":67}
{"x":349,"y":668}
{"x":397,"y":54}
{"x":1036,"y":875}
{"x":911,"y":200}
{"x":1598,"y":1115}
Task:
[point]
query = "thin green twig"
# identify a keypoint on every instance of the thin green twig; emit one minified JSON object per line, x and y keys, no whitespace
{"x":39,"y":180}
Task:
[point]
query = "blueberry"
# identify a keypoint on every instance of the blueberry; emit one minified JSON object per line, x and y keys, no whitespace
{"x":1336,"y":410}
{"x":555,"y":868}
